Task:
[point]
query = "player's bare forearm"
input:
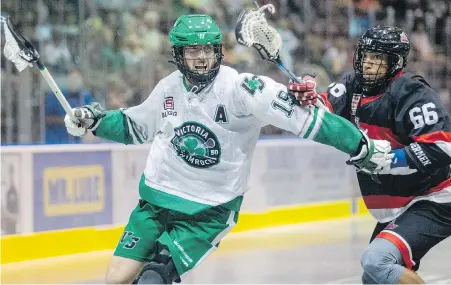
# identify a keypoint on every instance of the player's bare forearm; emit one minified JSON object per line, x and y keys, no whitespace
{"x":339,"y":133}
{"x":114,"y":127}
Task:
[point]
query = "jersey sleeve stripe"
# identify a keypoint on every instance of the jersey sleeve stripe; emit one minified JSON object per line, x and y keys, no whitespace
{"x":441,"y":139}
{"x":311,"y":120}
{"x":307,"y":122}
{"x":134,"y":134}
{"x":317,"y":126}
{"x":444,"y":146}
{"x":138,"y":132}
{"x":441,"y":186}
{"x":433,"y":137}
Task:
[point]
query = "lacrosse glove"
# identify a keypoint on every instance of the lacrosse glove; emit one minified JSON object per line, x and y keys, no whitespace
{"x":372,"y":155}
{"x":305,"y":91}
{"x":88,"y":116}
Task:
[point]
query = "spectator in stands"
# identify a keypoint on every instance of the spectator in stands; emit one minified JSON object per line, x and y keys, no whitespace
{"x":133,"y":50}
{"x":335,"y":59}
{"x":448,"y":33}
{"x":289,"y":42}
{"x":56,"y":54}
{"x":55,"y":131}
{"x":113,"y":57}
{"x":235,"y":55}
{"x":122,"y":37}
{"x":420,"y":41}
{"x":153,"y":38}
{"x":439,"y":13}
{"x":118,"y":93}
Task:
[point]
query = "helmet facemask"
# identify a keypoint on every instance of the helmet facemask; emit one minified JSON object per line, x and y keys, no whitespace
{"x":196,"y":42}
{"x":198,"y":63}
{"x":380,"y":55}
{"x":381,"y":74}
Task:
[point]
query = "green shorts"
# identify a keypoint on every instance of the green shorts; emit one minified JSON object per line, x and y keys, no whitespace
{"x":189,"y":238}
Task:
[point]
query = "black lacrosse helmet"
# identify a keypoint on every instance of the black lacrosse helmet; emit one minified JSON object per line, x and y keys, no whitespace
{"x":391,"y":41}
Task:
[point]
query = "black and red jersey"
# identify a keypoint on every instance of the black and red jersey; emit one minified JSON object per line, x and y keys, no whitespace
{"x":410,"y":115}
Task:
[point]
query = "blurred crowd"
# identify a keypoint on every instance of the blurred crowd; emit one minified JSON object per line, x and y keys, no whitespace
{"x":115,"y":51}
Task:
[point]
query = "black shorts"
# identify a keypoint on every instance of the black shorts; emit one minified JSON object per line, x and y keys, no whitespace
{"x":417,"y":230}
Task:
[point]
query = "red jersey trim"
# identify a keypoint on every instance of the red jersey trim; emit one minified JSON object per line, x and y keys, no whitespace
{"x":433,"y":137}
{"x":381,"y":133}
{"x":386,"y":201}
{"x":366,"y":100}
{"x":401,"y":244}
{"x":326,"y":100}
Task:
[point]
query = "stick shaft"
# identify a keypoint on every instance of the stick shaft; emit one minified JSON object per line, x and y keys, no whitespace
{"x":59,"y":95}
{"x":287,"y":72}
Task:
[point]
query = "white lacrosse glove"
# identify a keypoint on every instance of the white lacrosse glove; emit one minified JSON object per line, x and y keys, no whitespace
{"x":398,"y":165}
{"x":73,"y":128}
{"x":88,"y":116}
{"x":373,"y":155}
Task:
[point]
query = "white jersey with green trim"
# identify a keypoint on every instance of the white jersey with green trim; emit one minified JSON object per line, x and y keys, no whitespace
{"x":202,"y":144}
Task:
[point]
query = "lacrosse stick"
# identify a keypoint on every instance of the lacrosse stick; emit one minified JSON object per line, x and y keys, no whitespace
{"x":252,"y":30}
{"x":22,"y":53}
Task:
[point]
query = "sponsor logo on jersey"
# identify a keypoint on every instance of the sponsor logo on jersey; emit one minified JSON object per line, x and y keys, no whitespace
{"x":168,"y":107}
{"x":169,"y":103}
{"x":197,"y":145}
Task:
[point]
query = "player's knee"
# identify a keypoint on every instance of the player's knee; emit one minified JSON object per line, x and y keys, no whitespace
{"x":380,"y":261}
{"x":373,"y":261}
{"x":366,"y":279}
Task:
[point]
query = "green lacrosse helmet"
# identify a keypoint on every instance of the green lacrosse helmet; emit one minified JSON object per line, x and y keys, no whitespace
{"x":191,"y":30}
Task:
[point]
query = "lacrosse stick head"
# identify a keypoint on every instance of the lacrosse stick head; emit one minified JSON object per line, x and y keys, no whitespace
{"x":252,"y":29}
{"x":17,"y":48}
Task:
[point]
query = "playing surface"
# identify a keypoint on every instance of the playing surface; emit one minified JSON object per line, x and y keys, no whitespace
{"x":322,"y":252}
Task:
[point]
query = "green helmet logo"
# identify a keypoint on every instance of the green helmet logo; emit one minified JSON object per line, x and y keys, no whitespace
{"x":191,"y":30}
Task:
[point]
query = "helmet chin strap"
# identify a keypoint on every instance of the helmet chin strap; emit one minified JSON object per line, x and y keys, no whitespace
{"x":196,"y":88}
{"x":400,"y":63}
